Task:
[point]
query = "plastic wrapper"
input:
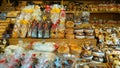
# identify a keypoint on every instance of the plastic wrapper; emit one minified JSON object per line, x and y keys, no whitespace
{"x":47,"y":26}
{"x":42,"y":63}
{"x":24,"y":29}
{"x":27,"y":63}
{"x":85,"y":17}
{"x":55,"y":18}
{"x":23,"y":25}
{"x":13,"y":55}
{"x":37,"y":13}
{"x":42,"y":46}
{"x":15,"y":32}
{"x":3,"y":63}
{"x":34,"y":29}
{"x":64,"y":62}
{"x":40,"y":30}
{"x":45,"y":60}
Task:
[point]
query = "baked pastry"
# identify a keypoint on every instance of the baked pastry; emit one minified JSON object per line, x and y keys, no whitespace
{"x":70,"y":36}
{"x":88,"y":46}
{"x":86,"y":53}
{"x":63,"y":49}
{"x":69,"y":30}
{"x":79,"y":37}
{"x":69,"y":24}
{"x":75,"y":48}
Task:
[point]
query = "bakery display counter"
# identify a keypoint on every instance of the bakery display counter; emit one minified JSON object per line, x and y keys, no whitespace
{"x":54,"y":54}
{"x":79,"y":41}
{"x":92,"y":12}
{"x":76,"y":35}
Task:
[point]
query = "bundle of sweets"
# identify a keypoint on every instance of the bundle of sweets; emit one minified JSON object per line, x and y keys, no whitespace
{"x":23,"y":25}
{"x":16,"y":56}
{"x":58,"y":20}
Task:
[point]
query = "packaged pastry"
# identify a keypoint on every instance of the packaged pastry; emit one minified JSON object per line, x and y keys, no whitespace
{"x":15,"y":32}
{"x":68,"y":63}
{"x":34,"y":29}
{"x":78,"y":65}
{"x":90,"y":36}
{"x":86,"y":54}
{"x":7,"y":20}
{"x":79,"y":37}
{"x":79,"y":32}
{"x":13,"y":20}
{"x":69,"y":24}
{"x":88,"y":30}
{"x":46,"y":27}
{"x":75,"y":49}
{"x":63,"y":49}
{"x":90,"y":33}
{"x":61,"y":35}
{"x":63,"y":62}
{"x":88,"y":46}
{"x":70,"y":36}
{"x":44,"y":47}
{"x":69,"y":30}
{"x":40,"y":30}
{"x":13,"y":14}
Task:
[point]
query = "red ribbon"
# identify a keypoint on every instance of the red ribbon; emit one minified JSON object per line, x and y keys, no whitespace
{"x":11,"y":67}
{"x":16,"y":60}
{"x":45,"y":26}
{"x":54,"y":26}
{"x":47,"y":8}
{"x":30,"y":66}
{"x":3,"y":60}
{"x":33,"y":55}
{"x":56,"y":46}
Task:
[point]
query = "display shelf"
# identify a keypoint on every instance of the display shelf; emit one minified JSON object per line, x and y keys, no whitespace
{"x":14,"y":41}
{"x":103,"y":65}
{"x":92,"y":11}
{"x":104,"y":12}
{"x":5,"y":21}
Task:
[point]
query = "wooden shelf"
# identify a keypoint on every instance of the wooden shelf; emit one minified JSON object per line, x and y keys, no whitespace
{"x":92,"y":11}
{"x":105,"y":12}
{"x":14,"y":41}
